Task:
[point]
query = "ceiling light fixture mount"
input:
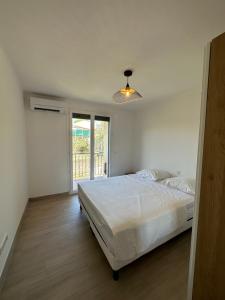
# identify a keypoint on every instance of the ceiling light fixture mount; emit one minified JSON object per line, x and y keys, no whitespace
{"x":128,"y":73}
{"x":126,"y":94}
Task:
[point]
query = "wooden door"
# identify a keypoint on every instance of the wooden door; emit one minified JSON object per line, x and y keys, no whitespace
{"x":209,"y":270}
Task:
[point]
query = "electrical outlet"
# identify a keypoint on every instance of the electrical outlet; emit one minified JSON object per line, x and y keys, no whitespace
{"x":3,"y":243}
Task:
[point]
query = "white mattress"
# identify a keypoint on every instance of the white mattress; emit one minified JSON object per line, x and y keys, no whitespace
{"x":133,"y":213}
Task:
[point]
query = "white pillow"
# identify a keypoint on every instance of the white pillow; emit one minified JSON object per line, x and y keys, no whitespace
{"x":186,"y":185}
{"x":154,"y":174}
{"x":143,"y":173}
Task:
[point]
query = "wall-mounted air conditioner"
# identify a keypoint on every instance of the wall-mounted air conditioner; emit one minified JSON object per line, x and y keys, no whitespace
{"x":41,"y":104}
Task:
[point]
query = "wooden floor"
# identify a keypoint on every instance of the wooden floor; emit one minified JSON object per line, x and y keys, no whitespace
{"x":57,"y":257}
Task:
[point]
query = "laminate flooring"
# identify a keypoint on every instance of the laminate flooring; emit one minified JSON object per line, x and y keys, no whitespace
{"x":57,"y":257}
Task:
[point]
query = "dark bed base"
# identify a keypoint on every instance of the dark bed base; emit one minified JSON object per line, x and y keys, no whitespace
{"x":115,"y":275}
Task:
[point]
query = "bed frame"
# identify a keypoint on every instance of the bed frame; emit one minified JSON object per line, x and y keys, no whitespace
{"x":115,"y":264}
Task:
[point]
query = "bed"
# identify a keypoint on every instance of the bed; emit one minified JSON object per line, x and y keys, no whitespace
{"x":131,"y":216}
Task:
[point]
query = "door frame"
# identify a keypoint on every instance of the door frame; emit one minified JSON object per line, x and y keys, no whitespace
{"x":208,"y":270}
{"x":92,"y":115}
{"x":199,"y":169}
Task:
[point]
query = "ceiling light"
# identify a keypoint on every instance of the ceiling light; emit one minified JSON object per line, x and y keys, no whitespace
{"x":127,"y":93}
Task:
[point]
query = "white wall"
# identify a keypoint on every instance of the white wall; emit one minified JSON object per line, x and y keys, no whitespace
{"x":13,"y":178}
{"x":48,"y":145}
{"x":167,"y":134}
{"x":162,"y":135}
{"x":47,"y":153}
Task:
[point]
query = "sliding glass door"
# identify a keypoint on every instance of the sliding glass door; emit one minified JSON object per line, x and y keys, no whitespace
{"x":81,"y":147}
{"x":90,"y":147}
{"x":101,"y":146}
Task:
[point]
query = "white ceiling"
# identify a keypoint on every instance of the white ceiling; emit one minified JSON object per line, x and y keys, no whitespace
{"x":79,"y":48}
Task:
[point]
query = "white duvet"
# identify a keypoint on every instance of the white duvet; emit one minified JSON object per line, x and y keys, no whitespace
{"x":133,"y":213}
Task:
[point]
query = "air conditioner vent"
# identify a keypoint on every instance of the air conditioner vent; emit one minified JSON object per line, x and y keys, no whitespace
{"x":41,"y":104}
{"x":47,"y":109}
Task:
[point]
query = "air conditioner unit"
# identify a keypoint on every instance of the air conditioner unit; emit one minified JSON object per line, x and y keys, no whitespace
{"x":41,"y":104}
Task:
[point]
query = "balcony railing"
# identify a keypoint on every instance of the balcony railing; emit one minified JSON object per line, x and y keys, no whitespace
{"x":81,"y":165}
